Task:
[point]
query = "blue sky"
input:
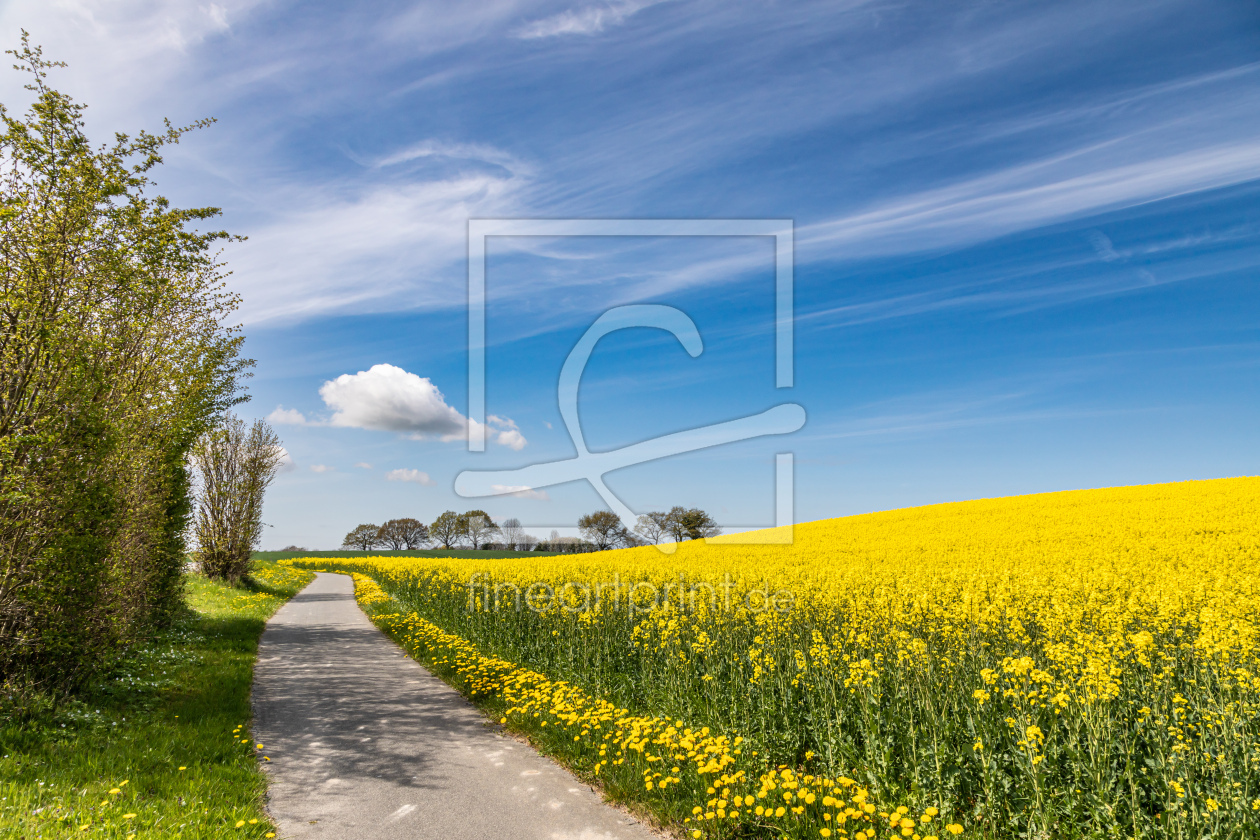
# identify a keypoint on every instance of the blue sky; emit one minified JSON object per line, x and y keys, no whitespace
{"x":1027,"y":236}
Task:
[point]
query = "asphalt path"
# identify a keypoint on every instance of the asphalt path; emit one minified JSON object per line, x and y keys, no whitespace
{"x":365,"y":743}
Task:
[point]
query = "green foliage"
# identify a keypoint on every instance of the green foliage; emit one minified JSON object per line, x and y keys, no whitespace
{"x":172,"y":702}
{"x":405,"y":533}
{"x":604,"y":530}
{"x":477,"y":527}
{"x":690,"y":524}
{"x":364,"y":537}
{"x":113,"y":360}
{"x":448,"y":529}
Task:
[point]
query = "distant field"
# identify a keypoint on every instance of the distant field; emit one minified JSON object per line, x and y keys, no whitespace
{"x":1064,"y":666}
{"x":272,"y":556}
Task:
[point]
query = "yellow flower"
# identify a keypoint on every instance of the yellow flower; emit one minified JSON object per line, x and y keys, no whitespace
{"x":1045,"y":604}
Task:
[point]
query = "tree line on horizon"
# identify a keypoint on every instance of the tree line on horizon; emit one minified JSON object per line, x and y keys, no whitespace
{"x":601,"y":530}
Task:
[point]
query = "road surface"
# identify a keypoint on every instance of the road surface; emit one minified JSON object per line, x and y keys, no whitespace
{"x":365,"y":744}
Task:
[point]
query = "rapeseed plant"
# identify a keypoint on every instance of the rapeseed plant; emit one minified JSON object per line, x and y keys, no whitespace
{"x":1068,"y":664}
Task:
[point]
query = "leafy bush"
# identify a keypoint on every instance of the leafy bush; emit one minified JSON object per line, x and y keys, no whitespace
{"x":113,"y":360}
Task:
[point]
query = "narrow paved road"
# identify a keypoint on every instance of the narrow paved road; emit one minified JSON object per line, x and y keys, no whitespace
{"x":365,"y":743}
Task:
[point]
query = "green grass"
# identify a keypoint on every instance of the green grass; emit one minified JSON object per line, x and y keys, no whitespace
{"x":159,"y":730}
{"x":428,"y":552}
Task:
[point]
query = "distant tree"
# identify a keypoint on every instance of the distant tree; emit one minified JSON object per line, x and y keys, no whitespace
{"x":570,"y":545}
{"x":528,"y":543}
{"x":293,"y":548}
{"x":234,"y":466}
{"x":415,"y":533}
{"x":652,"y":526}
{"x":603,"y":529}
{"x":513,"y":534}
{"x":690,"y":524}
{"x":674,"y":524}
{"x":448,"y":529}
{"x":364,"y":538}
{"x":403,"y":533}
{"x":478,"y":527}
{"x":388,"y":536}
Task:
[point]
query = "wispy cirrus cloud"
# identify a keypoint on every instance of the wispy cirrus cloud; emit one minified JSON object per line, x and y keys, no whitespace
{"x":388,"y":233}
{"x":386,"y":245}
{"x":1028,"y":196}
{"x":587,"y":20}
{"x":472,"y":152}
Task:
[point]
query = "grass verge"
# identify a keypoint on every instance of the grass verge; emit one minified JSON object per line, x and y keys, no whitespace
{"x":160,"y":748}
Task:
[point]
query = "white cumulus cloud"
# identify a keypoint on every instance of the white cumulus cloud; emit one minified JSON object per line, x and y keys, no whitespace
{"x":363,"y":465}
{"x":286,"y":417}
{"x":510,"y":438}
{"x":321,"y":468}
{"x":286,"y":461}
{"x":505,"y":432}
{"x":415,"y":476}
{"x":523,"y":491}
{"x":387,"y":398}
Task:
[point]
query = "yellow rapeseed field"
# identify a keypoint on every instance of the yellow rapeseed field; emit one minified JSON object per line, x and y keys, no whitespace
{"x":1076,"y":664}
